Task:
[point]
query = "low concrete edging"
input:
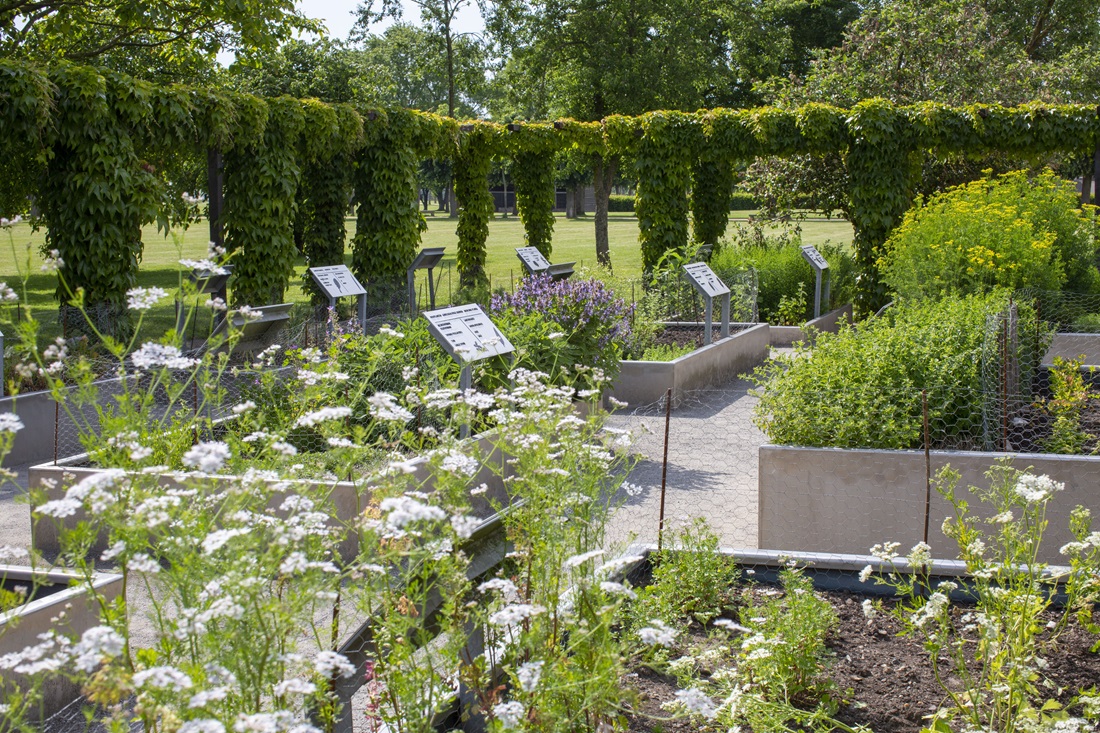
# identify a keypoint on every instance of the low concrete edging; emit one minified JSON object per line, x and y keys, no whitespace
{"x":836,"y":500}
{"x":346,"y":500}
{"x":1073,"y":345}
{"x":74,"y":610}
{"x":784,"y":336}
{"x":645,"y":382}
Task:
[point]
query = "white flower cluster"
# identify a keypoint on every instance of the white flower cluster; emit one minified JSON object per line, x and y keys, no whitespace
{"x":1074,"y":549}
{"x":457,"y":462}
{"x":384,"y":406}
{"x":7,"y":294}
{"x":697,"y":702}
{"x":207,"y":266}
{"x":577,"y":560}
{"x":1037,"y":488}
{"x":510,"y":714}
{"x":53,"y":262}
{"x":658,"y":633}
{"x":529,"y":675}
{"x":208,"y":457}
{"x":162,"y":678}
{"x":514,"y":614}
{"x":312,"y":379}
{"x":10,"y":423}
{"x":401,"y":511}
{"x":93,"y":492}
{"x":332,"y":664}
{"x":142,"y":299}
{"x":930,"y":611}
{"x":153,"y":356}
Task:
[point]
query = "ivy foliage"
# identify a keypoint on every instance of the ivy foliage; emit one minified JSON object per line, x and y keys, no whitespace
{"x":261,"y":182}
{"x":532,"y":147}
{"x":711,"y":193}
{"x":663,"y":162}
{"x":478,"y":143}
{"x":95,"y":194}
{"x":95,"y":151}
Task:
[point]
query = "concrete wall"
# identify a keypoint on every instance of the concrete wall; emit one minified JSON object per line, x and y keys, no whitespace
{"x":20,"y":628}
{"x":845,"y":501}
{"x":645,"y":382}
{"x":1072,"y":345}
{"x":346,"y":501}
{"x":783,"y":336}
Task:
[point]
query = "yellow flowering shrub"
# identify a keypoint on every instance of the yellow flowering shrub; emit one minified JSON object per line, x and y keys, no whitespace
{"x":1011,"y":231}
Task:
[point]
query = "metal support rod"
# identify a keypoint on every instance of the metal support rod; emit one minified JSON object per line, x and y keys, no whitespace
{"x":411,"y":280}
{"x":466,"y":382}
{"x":56,"y":421}
{"x":664,"y":471}
{"x":726,"y":316}
{"x":708,"y":320}
{"x":826,"y":296}
{"x":363,"y":313}
{"x":1,"y":364}
{"x":927,"y":464}
{"x":1004,"y":386}
{"x":817,"y":296}
{"x":431,"y":289}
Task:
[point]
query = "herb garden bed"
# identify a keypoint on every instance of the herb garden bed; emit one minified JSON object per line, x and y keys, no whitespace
{"x":53,"y":606}
{"x":645,"y":382}
{"x":784,"y":336}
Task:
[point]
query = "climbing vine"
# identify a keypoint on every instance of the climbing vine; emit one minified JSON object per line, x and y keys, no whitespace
{"x":332,"y":134}
{"x":96,"y":151}
{"x":261,"y":180}
{"x":663,"y":167}
{"x":472,"y":164}
{"x":95,"y":194}
{"x":532,"y":146}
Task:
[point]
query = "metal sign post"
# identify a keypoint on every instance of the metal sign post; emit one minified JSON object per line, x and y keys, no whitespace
{"x":811,"y":255}
{"x":207,"y":282}
{"x":710,"y":286}
{"x":468,"y":335}
{"x":427,"y":259}
{"x":337,"y":282}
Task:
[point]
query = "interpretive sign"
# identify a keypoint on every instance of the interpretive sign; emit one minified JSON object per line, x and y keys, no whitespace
{"x":811,"y":255}
{"x":466,"y":333}
{"x":710,"y":286}
{"x":705,"y":281}
{"x":427,"y":259}
{"x":533,"y":260}
{"x":337,"y":281}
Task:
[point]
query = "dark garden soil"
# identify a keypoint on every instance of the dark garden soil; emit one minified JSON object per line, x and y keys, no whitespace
{"x":688,"y":336}
{"x":886,"y":680}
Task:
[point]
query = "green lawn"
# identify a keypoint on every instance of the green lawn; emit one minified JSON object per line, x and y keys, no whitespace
{"x":573,"y":241}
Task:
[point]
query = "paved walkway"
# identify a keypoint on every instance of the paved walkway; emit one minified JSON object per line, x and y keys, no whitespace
{"x":712,"y":467}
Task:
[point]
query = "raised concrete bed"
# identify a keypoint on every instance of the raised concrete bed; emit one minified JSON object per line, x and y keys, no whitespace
{"x":783,"y":336}
{"x":75,"y":610}
{"x":346,"y":500}
{"x":845,"y":501}
{"x":1072,"y":345}
{"x":645,"y":382}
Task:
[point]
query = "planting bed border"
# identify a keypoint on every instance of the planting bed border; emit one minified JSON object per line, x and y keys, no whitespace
{"x":834,"y":500}
{"x":36,"y":617}
{"x":786,"y":336}
{"x":645,"y":382}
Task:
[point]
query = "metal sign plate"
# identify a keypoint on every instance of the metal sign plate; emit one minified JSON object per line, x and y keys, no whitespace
{"x":811,"y":255}
{"x":705,"y":281}
{"x":532,"y":259}
{"x":337,"y":281}
{"x":427,"y":258}
{"x":467,"y":333}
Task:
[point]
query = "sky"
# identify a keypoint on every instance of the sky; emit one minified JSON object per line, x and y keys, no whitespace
{"x":337,"y":15}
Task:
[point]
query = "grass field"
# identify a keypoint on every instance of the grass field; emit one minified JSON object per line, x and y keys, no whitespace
{"x":573,"y":241}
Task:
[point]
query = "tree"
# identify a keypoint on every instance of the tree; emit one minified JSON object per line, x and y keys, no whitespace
{"x":438,"y":18}
{"x":167,"y":39}
{"x":324,"y":69}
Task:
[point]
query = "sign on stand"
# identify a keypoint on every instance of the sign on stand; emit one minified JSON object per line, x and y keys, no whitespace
{"x":710,"y":286}
{"x":820,"y":265}
{"x":427,"y":259}
{"x":534,"y":262}
{"x":336,"y":281}
{"x":468,"y":335}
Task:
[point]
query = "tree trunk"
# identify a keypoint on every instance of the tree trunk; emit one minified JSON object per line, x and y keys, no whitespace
{"x":603,"y":175}
{"x":570,"y":204}
{"x":452,"y":202}
{"x":578,"y":201}
{"x":1086,"y":188}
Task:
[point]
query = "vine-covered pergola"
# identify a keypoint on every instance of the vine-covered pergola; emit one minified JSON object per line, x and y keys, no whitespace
{"x":89,"y":148}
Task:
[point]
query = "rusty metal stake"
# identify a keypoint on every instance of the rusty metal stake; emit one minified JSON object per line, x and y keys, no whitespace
{"x":664,"y":470}
{"x":927,"y":465}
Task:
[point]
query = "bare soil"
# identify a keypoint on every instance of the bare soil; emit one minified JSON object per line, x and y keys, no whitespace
{"x":886,"y":681}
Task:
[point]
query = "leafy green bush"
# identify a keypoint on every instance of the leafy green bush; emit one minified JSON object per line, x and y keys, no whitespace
{"x":1009,"y":231}
{"x":621,"y":203}
{"x":860,"y":388}
{"x":782,"y":271}
{"x":741,"y":201}
{"x":667,"y":352}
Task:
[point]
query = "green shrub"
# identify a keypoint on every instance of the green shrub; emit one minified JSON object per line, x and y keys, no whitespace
{"x":782,"y":271}
{"x":666,"y":352}
{"x":860,"y":388}
{"x":621,"y":203}
{"x":741,"y":201}
{"x":1009,"y":231}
